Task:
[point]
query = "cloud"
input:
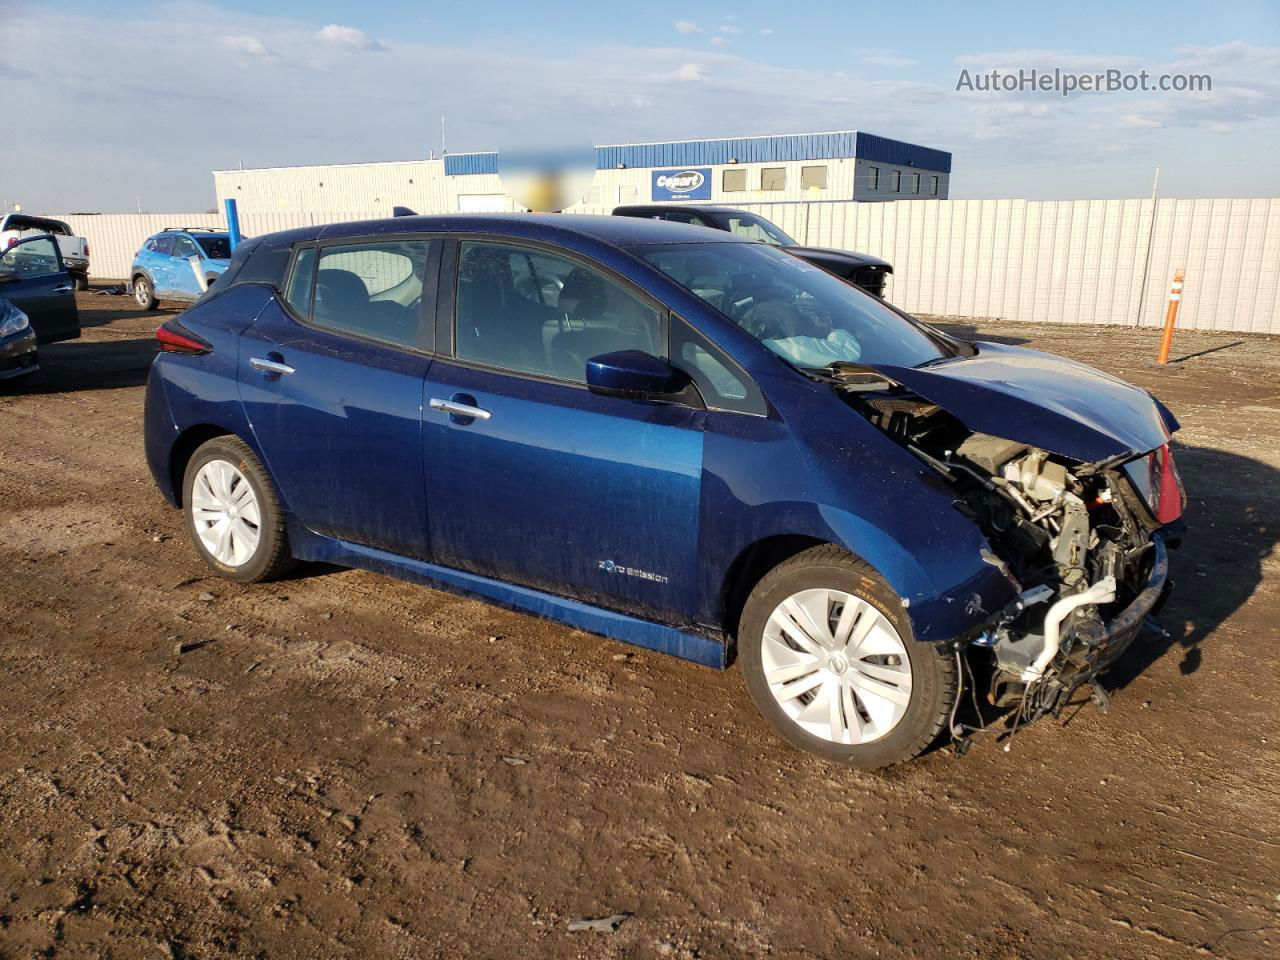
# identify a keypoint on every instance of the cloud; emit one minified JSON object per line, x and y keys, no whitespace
{"x":248,"y":45}
{"x":719,"y":41}
{"x":729,"y":28}
{"x":346,"y":108}
{"x":1044,"y":59}
{"x":766,"y":31}
{"x":687,"y":26}
{"x":349,"y":38}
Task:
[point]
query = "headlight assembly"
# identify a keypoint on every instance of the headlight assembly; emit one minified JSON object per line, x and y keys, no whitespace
{"x":12,"y":320}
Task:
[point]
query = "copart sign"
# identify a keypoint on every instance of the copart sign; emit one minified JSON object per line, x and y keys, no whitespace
{"x":682,"y":183}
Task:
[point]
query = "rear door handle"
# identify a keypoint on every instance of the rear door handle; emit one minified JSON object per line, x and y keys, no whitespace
{"x":66,"y":288}
{"x":456,"y":409}
{"x":270,"y":366}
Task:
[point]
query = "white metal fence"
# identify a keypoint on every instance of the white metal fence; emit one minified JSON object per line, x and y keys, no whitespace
{"x":1086,"y":261}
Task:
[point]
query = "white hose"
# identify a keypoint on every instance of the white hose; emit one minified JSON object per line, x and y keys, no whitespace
{"x":1104,"y":591}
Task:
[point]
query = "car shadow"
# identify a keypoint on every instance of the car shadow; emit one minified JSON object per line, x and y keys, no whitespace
{"x":1232,"y":528}
{"x":74,"y":366}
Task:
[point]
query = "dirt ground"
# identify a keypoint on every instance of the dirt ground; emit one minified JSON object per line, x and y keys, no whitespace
{"x":343,"y":765}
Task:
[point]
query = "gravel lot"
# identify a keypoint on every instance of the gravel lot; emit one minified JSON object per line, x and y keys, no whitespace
{"x":345,"y":765}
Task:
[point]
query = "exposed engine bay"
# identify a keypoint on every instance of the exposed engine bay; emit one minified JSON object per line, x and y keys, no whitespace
{"x":1078,"y":541}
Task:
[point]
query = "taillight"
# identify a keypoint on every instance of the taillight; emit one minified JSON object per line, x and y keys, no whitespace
{"x":86,"y":249}
{"x":175,"y":338}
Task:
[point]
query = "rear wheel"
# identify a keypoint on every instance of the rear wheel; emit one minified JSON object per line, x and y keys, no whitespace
{"x":830,"y":661}
{"x":234,"y":514}
{"x":144,"y":293}
{"x":81,"y":281}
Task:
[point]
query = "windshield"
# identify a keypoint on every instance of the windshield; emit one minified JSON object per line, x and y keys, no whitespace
{"x":215,"y":248}
{"x":800,"y":312}
{"x":754,"y":228}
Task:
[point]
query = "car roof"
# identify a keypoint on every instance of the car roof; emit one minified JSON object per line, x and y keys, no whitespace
{"x":551,"y":227}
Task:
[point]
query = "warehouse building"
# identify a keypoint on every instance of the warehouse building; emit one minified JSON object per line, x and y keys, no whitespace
{"x":842,"y":165}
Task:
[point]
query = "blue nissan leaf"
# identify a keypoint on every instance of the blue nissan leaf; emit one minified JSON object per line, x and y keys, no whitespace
{"x":682,"y":439}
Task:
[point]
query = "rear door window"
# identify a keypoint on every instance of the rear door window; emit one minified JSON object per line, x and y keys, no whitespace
{"x":373,"y":290}
{"x":163,"y":246}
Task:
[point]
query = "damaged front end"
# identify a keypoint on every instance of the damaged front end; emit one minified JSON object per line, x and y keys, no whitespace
{"x":1083,"y":541}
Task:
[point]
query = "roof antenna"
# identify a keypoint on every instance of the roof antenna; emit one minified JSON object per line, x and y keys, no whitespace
{"x":443,"y":148}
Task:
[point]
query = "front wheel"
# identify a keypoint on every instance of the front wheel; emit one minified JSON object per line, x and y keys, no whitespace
{"x":234,"y":514}
{"x":830,"y":661}
{"x":144,"y":293}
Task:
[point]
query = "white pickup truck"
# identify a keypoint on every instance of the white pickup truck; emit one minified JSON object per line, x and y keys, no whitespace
{"x":75,"y":250}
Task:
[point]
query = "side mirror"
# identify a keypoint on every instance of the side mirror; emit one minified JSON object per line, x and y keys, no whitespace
{"x":636,"y":375}
{"x":8,"y":274}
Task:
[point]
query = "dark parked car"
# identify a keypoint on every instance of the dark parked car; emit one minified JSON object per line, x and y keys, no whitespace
{"x":679,"y":438}
{"x":34,"y":280}
{"x":860,"y":269}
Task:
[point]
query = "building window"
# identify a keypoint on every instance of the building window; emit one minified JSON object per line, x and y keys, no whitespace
{"x":934,"y":188}
{"x":915,"y":183}
{"x":813,"y":178}
{"x":895,"y":181}
{"x":734,"y":181}
{"x":627,"y":193}
{"x":773,"y":178}
{"x":873,"y":177}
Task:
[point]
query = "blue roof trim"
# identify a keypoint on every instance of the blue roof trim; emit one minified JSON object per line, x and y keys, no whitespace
{"x":691,"y":153}
{"x":884,"y":150}
{"x":460,"y":163}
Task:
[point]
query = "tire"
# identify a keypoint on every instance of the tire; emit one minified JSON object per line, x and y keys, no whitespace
{"x":226,"y":484}
{"x":81,"y":281}
{"x":796,"y":695}
{"x":144,"y":293}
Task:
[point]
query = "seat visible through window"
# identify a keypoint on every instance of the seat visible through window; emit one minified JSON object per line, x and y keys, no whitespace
{"x":372,"y":290}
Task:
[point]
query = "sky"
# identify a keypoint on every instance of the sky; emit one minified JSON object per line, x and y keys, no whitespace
{"x":112,"y":111}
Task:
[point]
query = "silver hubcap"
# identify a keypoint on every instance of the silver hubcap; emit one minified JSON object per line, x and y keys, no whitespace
{"x":140,"y":292}
{"x":836,"y":666}
{"x":225,"y":511}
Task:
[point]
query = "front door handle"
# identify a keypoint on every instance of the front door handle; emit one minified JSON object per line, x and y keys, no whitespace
{"x":459,"y":410}
{"x":63,"y":288}
{"x":270,"y":366}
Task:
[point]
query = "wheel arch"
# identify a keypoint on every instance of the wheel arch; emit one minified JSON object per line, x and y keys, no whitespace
{"x":750,"y":566}
{"x":184,"y":447}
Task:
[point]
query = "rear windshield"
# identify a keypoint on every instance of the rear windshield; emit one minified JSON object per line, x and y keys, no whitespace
{"x":800,"y":312}
{"x":215,"y":248}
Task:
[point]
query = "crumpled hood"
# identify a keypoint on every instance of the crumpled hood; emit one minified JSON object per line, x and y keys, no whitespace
{"x":1030,"y":397}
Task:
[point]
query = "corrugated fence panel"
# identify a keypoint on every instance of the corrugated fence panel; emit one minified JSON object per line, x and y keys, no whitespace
{"x":1084,"y":261}
{"x":115,"y":238}
{"x":1081,"y":261}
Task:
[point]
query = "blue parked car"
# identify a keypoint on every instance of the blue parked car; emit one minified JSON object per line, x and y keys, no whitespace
{"x":162,"y":268}
{"x":682,"y":439}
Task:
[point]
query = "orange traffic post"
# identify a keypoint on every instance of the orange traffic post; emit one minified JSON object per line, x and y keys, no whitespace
{"x":1170,"y":318}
